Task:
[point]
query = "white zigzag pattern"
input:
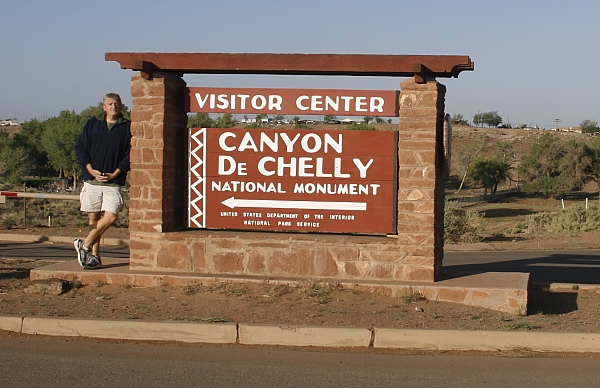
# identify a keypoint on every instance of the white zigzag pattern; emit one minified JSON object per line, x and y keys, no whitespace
{"x":197,"y":140}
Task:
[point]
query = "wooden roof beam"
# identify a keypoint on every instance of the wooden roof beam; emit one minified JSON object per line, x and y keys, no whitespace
{"x":420,"y":66}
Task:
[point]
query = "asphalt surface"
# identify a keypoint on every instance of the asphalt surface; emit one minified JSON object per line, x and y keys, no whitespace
{"x":41,"y":362}
{"x":559,"y":266}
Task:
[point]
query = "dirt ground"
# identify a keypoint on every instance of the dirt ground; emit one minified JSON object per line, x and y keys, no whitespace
{"x":310,"y":304}
{"x":306,"y":304}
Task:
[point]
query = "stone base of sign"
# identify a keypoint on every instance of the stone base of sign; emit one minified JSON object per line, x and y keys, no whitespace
{"x":501,"y":291}
{"x":299,"y":256}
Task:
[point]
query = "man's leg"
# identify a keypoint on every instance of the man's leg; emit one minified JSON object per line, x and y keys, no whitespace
{"x":101,"y":226}
{"x":93,"y":218}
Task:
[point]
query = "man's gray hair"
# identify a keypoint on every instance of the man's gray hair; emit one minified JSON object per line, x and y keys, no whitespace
{"x":112,"y":96}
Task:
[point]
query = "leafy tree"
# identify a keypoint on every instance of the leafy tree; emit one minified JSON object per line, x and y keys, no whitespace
{"x":59,"y":141}
{"x":504,"y":152}
{"x":367,"y":119}
{"x":589,"y":126}
{"x":379,"y":120}
{"x":491,"y":119}
{"x":225,"y":121}
{"x":554,"y":166}
{"x":29,"y":140}
{"x":296,"y":119}
{"x":279,"y":118}
{"x":489,"y":173}
{"x":593,"y":152}
{"x":200,"y":120}
{"x":12,"y":163}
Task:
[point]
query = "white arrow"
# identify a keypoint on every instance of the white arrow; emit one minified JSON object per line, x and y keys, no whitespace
{"x":314,"y":205}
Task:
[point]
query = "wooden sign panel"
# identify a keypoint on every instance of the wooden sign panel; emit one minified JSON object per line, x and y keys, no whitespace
{"x":294,"y":101}
{"x":293,"y":180}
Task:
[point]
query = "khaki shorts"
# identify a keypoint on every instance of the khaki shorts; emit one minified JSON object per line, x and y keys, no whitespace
{"x":96,"y":198}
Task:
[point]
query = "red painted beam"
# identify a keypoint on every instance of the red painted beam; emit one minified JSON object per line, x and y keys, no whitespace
{"x":422,"y":66}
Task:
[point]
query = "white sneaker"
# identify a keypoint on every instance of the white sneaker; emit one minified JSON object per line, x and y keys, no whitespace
{"x":82,"y":253}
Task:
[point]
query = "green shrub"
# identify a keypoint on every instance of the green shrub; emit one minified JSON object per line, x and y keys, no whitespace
{"x":461,"y":225}
{"x":9,"y":220}
{"x":360,"y":127}
{"x":572,"y":221}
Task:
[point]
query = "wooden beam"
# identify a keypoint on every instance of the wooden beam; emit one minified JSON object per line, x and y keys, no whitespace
{"x":444,"y":66}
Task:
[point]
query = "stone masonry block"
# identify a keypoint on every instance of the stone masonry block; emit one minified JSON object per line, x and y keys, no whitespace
{"x":344,"y":253}
{"x":383,"y":256}
{"x":174,"y":256}
{"x":227,"y":262}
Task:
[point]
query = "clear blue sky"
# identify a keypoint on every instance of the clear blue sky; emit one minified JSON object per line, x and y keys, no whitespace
{"x":534,"y":60}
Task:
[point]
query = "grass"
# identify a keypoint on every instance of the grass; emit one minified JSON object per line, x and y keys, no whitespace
{"x":409,"y":295}
{"x":520,"y":326}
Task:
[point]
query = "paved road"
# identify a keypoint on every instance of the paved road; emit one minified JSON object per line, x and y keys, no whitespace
{"x":575,"y":267}
{"x":29,"y":361}
{"x":44,"y":250}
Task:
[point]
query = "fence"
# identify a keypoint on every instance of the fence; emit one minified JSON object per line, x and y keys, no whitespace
{"x":71,"y":216}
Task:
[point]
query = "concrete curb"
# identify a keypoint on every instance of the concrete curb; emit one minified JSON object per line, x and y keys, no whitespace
{"x":132,"y":330}
{"x":487,"y":340}
{"x":304,"y":336}
{"x":14,"y":324}
{"x":282,"y":335}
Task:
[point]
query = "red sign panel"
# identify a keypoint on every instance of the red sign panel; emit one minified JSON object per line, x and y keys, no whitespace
{"x":294,"y":101}
{"x":293,"y":180}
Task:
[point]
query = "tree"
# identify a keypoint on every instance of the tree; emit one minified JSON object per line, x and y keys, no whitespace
{"x":589,"y":126}
{"x":59,"y":141}
{"x":12,"y":163}
{"x":200,"y":120}
{"x":464,"y":153}
{"x":29,"y":139}
{"x":554,"y":166}
{"x":593,"y":151}
{"x":492,"y":119}
{"x":367,"y":119}
{"x":504,"y":152}
{"x":489,"y":173}
{"x":225,"y":121}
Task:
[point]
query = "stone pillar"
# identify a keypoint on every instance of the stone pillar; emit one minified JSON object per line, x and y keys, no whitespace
{"x":158,"y":154}
{"x":421,"y":178}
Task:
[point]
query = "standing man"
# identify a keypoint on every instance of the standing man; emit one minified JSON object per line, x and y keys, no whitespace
{"x":103,"y":153}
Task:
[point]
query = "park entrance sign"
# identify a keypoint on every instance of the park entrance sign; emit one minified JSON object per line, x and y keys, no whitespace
{"x":293,"y":180}
{"x":364,"y":208}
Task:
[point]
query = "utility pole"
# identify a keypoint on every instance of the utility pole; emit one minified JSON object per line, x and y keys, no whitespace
{"x":557,"y":121}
